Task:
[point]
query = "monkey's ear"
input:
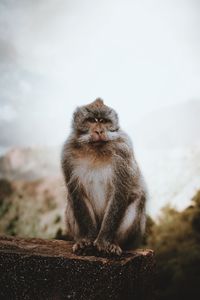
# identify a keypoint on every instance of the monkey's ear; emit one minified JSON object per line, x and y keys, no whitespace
{"x":79,"y":115}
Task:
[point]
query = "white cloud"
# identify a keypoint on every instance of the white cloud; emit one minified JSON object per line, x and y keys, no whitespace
{"x":137,"y":55}
{"x":7,"y":113}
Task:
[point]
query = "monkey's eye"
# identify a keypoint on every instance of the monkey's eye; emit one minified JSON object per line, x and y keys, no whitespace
{"x":114,"y":129}
{"x":103,"y":121}
{"x":92,"y":120}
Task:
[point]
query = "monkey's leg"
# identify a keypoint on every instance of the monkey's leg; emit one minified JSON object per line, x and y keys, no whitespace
{"x":87,"y":229}
{"x":114,"y":213}
{"x":129,"y":233}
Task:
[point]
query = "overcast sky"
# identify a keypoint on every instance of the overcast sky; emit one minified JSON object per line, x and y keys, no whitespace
{"x":137,"y":55}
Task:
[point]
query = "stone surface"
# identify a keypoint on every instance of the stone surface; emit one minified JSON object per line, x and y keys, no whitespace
{"x":47,"y":269}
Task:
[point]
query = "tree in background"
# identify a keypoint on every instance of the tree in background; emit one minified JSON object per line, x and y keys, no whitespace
{"x":176,"y":241}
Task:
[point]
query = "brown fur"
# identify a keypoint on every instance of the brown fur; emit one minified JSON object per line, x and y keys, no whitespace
{"x":106,"y":191}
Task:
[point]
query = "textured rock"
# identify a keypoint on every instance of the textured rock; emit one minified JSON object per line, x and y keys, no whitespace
{"x":47,"y":269}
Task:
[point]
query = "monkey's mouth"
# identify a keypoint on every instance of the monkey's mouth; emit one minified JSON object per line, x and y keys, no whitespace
{"x":99,"y":142}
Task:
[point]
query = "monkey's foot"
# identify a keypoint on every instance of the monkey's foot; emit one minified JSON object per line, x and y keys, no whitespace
{"x":81,"y":246}
{"x":108,"y":248}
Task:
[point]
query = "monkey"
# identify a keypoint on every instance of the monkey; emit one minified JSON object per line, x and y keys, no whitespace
{"x":106,"y":192}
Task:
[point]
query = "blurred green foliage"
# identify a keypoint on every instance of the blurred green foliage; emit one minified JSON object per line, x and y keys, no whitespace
{"x":32,"y":208}
{"x":176,"y":241}
{"x":5,"y":191}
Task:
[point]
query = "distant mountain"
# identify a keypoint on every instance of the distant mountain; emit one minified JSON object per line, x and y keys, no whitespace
{"x":167,"y":145}
{"x":172,"y":176}
{"x":30,"y":163}
{"x":32,"y":192}
{"x":175,"y":126}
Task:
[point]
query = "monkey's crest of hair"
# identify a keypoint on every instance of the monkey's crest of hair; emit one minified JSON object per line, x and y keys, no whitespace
{"x":98,"y":103}
{"x":96,"y":109}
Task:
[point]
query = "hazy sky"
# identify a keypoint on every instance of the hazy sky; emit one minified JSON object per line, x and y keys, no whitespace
{"x":54,"y":55}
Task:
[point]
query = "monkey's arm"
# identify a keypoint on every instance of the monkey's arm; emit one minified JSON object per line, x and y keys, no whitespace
{"x":125,"y":191}
{"x":85,"y":222}
{"x":114,"y":213}
{"x":76,"y":197}
{"x":117,"y":205}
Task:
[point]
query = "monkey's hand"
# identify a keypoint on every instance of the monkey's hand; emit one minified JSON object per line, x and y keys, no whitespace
{"x":81,"y":246}
{"x":107,"y":247}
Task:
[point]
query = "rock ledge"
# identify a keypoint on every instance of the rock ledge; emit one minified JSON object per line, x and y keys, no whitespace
{"x":47,"y":269}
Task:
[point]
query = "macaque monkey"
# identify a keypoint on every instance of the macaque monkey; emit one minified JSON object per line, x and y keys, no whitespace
{"x":106,"y":192}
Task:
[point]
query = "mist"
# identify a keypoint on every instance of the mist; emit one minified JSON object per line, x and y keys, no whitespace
{"x":139,"y":56}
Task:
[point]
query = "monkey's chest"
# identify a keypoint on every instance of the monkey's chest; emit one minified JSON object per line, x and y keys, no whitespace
{"x":96,"y":182}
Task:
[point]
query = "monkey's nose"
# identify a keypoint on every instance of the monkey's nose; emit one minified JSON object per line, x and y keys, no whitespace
{"x":99,"y":132}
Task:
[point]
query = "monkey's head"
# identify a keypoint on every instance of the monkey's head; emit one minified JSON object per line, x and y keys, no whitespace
{"x":95,"y":123}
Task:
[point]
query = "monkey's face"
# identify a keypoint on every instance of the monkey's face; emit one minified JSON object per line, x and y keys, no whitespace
{"x":98,"y":129}
{"x":96,"y":123}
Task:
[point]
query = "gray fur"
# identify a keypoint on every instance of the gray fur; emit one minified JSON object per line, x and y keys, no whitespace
{"x":122,"y":223}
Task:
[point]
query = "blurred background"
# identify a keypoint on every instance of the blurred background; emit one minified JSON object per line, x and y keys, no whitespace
{"x":143,"y":58}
